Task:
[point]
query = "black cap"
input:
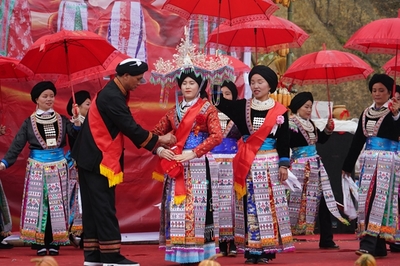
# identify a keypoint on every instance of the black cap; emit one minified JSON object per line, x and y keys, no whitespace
{"x":267,"y":73}
{"x":80,"y":97}
{"x":381,"y":78}
{"x":41,"y":87}
{"x":299,"y":100}
{"x":132,"y":66}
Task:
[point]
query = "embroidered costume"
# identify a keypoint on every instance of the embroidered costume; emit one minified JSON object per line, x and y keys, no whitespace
{"x":267,"y":215}
{"x":379,"y":179}
{"x":5,"y":216}
{"x":191,"y":241}
{"x":307,"y":166}
{"x":44,"y":211}
{"x":228,"y":213}
{"x":189,"y":229}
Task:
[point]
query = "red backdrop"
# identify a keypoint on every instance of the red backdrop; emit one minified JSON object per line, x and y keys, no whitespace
{"x":138,"y":194}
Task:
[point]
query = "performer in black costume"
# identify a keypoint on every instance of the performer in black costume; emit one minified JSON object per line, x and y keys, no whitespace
{"x":98,"y":152}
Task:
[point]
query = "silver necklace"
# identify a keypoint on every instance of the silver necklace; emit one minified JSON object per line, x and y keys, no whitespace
{"x":262,"y":105}
{"x":373,"y":114}
{"x":305,"y":123}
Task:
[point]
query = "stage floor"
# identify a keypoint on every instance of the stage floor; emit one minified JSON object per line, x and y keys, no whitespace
{"x":307,"y":253}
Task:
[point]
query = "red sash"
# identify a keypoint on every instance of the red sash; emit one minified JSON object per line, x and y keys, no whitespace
{"x":173,"y":168}
{"x":247,"y":150}
{"x":111,"y":149}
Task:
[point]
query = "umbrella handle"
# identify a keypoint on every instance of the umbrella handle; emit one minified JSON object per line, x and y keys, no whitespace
{"x":395,"y":67}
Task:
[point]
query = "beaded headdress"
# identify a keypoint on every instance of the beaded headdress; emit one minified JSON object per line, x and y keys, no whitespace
{"x":216,"y":69}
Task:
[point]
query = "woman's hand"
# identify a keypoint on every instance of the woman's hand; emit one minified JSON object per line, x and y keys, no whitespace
{"x":283,"y":173}
{"x":344,"y":174}
{"x":167,"y":154}
{"x":394,"y":106}
{"x":2,"y":166}
{"x":2,"y":130}
{"x":184,"y":157}
{"x":330,"y":125}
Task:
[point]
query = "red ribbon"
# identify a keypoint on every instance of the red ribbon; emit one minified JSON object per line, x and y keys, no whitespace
{"x":248,"y":150}
{"x":173,"y":168}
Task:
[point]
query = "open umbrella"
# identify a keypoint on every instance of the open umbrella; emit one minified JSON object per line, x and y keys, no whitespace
{"x":260,"y":35}
{"x":110,"y":70}
{"x":9,"y":72}
{"x":326,"y":67}
{"x":379,"y":36}
{"x":392,"y":66}
{"x":235,"y":11}
{"x":68,"y":55}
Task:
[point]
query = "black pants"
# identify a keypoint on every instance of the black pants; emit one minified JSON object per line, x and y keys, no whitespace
{"x":102,"y":238}
{"x":48,"y":237}
{"x":325,"y":225}
{"x":375,"y":245}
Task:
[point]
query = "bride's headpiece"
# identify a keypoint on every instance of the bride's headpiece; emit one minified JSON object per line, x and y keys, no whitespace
{"x":216,"y":69}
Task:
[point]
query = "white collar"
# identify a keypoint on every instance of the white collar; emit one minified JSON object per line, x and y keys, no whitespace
{"x":188,"y":104}
{"x":40,"y":111}
{"x":386,"y":104}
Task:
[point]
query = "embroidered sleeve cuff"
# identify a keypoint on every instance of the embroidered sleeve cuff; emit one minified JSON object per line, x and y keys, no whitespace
{"x":4,"y":162}
{"x":284,"y":161}
{"x":149,"y":137}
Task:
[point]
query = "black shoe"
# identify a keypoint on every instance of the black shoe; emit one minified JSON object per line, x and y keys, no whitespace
{"x":251,"y":261}
{"x":73,"y":240}
{"x":232,"y":253}
{"x":53,"y":252}
{"x":262,"y":261}
{"x":124,"y":262}
{"x":362,"y":252}
{"x":334,"y":246}
{"x":394,"y":247}
{"x":5,"y":245}
{"x":41,"y":252}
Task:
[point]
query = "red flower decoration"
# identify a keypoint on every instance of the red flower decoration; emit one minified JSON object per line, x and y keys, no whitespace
{"x":200,"y":119}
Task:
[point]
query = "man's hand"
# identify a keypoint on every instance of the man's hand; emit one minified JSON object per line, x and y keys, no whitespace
{"x":167,"y":140}
{"x":187,"y":156}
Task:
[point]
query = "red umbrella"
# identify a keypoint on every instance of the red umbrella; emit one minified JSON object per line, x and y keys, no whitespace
{"x":110,"y":70}
{"x":261,"y":35}
{"x":379,"y":36}
{"x":235,"y":11}
{"x":392,"y":66}
{"x":326,"y":67}
{"x":68,"y":55}
{"x":9,"y":71}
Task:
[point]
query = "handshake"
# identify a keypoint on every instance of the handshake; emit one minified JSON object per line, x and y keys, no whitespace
{"x":167,"y":140}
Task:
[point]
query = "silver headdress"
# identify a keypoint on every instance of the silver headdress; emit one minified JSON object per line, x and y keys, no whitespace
{"x":216,"y":69}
